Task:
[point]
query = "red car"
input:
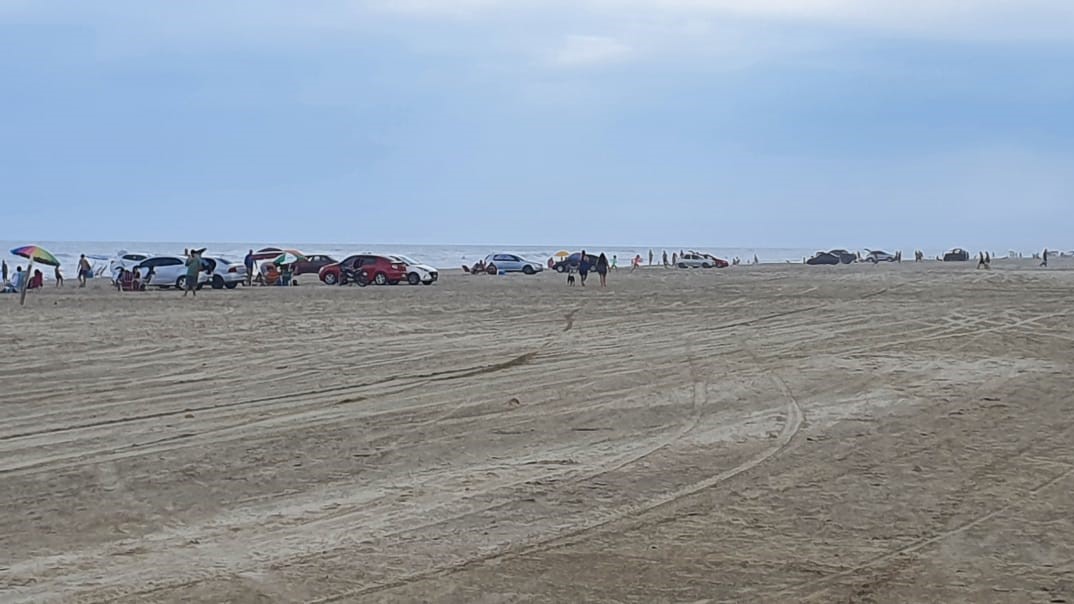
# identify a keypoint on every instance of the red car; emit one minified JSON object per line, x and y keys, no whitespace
{"x":381,"y":270}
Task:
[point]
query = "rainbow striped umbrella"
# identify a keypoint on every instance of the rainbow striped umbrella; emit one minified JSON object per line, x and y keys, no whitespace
{"x":36,"y":253}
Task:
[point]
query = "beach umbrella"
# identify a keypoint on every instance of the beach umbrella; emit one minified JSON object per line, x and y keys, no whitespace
{"x":33,"y":253}
{"x":561,"y":254}
{"x":36,"y":253}
{"x":289,"y":257}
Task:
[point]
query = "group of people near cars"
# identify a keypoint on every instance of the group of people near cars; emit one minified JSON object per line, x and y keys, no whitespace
{"x":587,"y":263}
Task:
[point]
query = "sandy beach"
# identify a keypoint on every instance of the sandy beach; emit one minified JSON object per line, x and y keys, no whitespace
{"x":895,"y":433}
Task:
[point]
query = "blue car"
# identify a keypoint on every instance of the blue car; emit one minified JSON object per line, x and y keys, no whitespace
{"x":511,"y":263}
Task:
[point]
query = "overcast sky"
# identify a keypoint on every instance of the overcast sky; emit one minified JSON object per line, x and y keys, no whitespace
{"x":809,"y":123}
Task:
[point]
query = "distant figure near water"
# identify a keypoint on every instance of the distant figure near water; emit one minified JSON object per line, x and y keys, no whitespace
{"x":1044,"y":258}
{"x":602,"y":269}
{"x":59,"y":277}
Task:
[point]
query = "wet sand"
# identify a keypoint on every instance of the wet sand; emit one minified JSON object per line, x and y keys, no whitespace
{"x":776,"y":433}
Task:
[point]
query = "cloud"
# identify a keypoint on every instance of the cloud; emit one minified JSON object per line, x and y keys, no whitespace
{"x":581,"y":51}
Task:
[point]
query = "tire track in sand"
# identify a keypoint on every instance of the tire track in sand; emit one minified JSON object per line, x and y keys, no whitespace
{"x":795,"y":418}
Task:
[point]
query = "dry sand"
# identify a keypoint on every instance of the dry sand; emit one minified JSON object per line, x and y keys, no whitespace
{"x":763,"y":434}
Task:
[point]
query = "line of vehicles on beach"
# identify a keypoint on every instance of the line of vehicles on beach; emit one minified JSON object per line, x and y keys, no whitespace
{"x":166,"y":271}
{"x":840,"y":256}
{"x":365,"y":268}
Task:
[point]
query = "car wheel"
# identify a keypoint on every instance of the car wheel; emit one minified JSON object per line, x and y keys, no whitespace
{"x":218,"y":282}
{"x":528,"y":270}
{"x":180,"y":283}
{"x":491,"y":269}
{"x":330,"y":279}
{"x":561,"y":268}
{"x":413,"y":279}
{"x":380,"y":279}
{"x":362,"y":279}
{"x":231,"y":285}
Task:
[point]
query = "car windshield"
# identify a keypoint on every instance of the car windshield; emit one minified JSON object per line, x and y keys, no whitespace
{"x":406,"y":259}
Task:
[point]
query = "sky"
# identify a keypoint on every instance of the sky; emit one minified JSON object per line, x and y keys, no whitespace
{"x":769,"y":123}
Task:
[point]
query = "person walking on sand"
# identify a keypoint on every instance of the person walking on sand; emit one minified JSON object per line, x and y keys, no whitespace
{"x":665,"y":258}
{"x":4,"y":280}
{"x":1044,"y":258}
{"x":615,"y":262}
{"x":84,"y":270}
{"x":602,"y":269}
{"x":583,"y":267}
{"x":59,"y":277}
{"x":248,"y":261}
{"x":650,"y":256}
{"x":193,"y":267}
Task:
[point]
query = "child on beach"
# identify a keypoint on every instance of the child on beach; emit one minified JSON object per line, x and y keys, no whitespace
{"x":59,"y":277}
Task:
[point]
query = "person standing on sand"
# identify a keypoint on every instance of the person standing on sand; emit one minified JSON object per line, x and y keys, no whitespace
{"x":248,"y":261}
{"x":602,"y":269}
{"x":615,"y":262}
{"x":583,"y":267}
{"x":1044,"y":258}
{"x":193,"y":267}
{"x":4,"y":281}
{"x":59,"y":277}
{"x":665,"y":258}
{"x":84,"y":270}
{"x":650,"y":256}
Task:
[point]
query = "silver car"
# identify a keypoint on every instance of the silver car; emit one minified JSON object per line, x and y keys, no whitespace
{"x":511,"y":263}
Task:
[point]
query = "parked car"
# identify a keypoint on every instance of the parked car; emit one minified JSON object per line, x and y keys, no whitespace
{"x":716,"y":262}
{"x":844,"y":256}
{"x":167,"y":271}
{"x":823,"y":258}
{"x":956,"y":255}
{"x":312,"y":264}
{"x":570,"y":263}
{"x":382,"y":270}
{"x":876,"y":256}
{"x":124,"y":260}
{"x":511,"y":263}
{"x":271,"y":252}
{"x":416,"y":272}
{"x":695,"y":260}
{"x":225,"y":273}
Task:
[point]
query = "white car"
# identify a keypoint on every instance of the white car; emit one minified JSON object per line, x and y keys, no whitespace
{"x":167,"y":271}
{"x":124,"y":260}
{"x":693,"y":260}
{"x":875,"y":256}
{"x":416,"y":272}
{"x":225,"y":273}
